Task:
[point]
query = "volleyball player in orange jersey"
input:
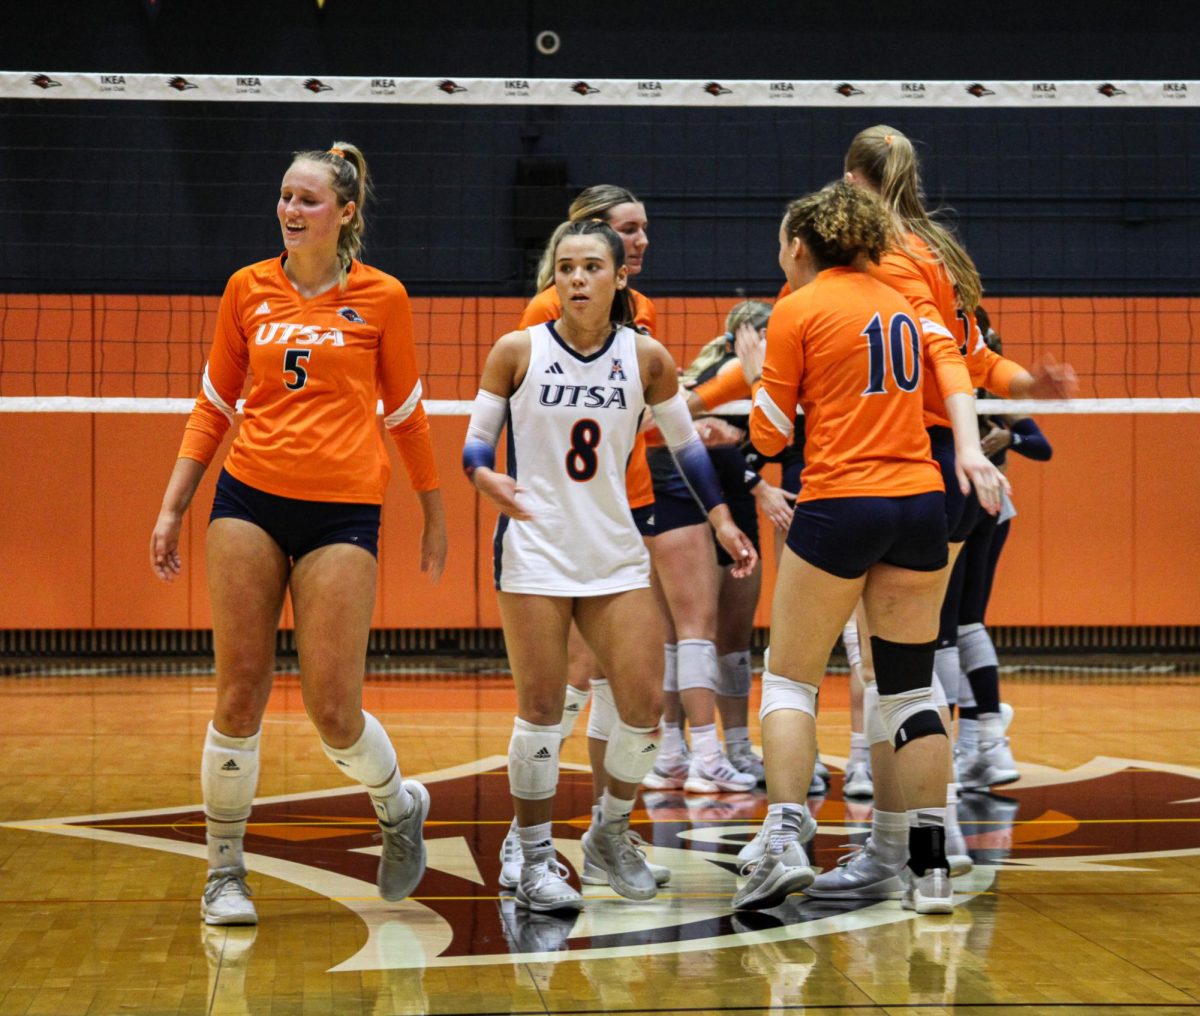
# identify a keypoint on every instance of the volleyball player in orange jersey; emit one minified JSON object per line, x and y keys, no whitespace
{"x":935,"y":274}
{"x":626,"y":215}
{"x":870,"y":523}
{"x":710,"y":615}
{"x":297,"y":509}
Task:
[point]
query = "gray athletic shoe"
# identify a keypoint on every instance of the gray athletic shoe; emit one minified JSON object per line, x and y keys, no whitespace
{"x":774,"y":878}
{"x":992,"y":765}
{"x":607,"y":847}
{"x":226,"y":898}
{"x":857,"y":781}
{"x":593,"y":874}
{"x":544,"y":887}
{"x":929,"y":894}
{"x":752,"y":851}
{"x":741,"y":756}
{"x":860,"y":875}
{"x":402,"y":862}
{"x":511,"y":858}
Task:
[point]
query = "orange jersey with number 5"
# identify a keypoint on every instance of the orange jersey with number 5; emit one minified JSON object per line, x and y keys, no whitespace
{"x":850,"y":350}
{"x":317,"y":368}
{"x":546,"y":306}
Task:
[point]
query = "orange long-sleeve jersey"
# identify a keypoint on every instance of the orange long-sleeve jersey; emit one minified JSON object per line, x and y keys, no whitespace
{"x":727,"y":385}
{"x":850,"y":350}
{"x":317,"y":369}
{"x":914,"y":272}
{"x":546,"y":306}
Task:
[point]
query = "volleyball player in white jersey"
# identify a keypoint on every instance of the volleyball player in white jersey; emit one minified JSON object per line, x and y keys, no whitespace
{"x":573,"y":392}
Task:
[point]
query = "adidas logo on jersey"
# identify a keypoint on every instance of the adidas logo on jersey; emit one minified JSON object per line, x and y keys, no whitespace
{"x":231,"y":767}
{"x":542,"y":753}
{"x":555,"y":368}
{"x":263,"y":308}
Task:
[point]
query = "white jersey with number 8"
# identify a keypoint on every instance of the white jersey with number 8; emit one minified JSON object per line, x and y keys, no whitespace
{"x":571,"y":428}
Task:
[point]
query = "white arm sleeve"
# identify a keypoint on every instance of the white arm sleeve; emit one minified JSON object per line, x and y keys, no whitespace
{"x":487,"y":417}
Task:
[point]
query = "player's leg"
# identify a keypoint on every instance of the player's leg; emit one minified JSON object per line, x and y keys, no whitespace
{"x":535,"y":634}
{"x":737,"y":601}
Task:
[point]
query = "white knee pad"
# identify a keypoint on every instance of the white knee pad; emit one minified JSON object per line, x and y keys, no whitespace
{"x":371,"y":760}
{"x":733,"y":675}
{"x":975,"y":649}
{"x":670,"y":667}
{"x":576,"y":702}
{"x":946,"y":672}
{"x":631,"y":752}
{"x":873,"y":725}
{"x":229,"y":775}
{"x":533,"y":760}
{"x":850,"y":641}
{"x":603,"y":716}
{"x":909,"y":715}
{"x":784,"y":693}
{"x":697,"y":665}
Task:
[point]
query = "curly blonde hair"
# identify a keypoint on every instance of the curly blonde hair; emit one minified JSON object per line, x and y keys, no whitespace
{"x":840,"y":223}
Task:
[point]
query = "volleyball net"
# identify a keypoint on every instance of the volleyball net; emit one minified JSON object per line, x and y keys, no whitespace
{"x":129,"y":200}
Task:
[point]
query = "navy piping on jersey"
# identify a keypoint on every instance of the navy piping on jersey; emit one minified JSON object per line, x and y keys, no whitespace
{"x":579,"y":356}
{"x":510,"y":467}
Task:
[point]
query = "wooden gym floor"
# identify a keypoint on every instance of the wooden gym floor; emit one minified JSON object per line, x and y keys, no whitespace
{"x":1084,"y":898}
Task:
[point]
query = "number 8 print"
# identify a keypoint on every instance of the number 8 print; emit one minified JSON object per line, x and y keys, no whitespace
{"x":581,"y":459}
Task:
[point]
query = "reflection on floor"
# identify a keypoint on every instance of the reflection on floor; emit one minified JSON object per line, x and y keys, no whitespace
{"x":1082,"y":894}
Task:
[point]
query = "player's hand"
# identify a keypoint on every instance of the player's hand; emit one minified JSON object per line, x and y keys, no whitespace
{"x":974,"y":470}
{"x":717,"y":433}
{"x":776,"y":504}
{"x":1053,"y":380}
{"x":434,"y":547}
{"x":996,"y":440}
{"x":164,"y":546}
{"x":750,"y":345}
{"x":502,"y":490}
{"x":736,"y":543}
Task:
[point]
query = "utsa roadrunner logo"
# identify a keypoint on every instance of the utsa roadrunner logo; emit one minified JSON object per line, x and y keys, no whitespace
{"x":181,"y":84}
{"x":845,"y":89}
{"x":316,"y":85}
{"x":583,"y":88}
{"x":1108,"y":89}
{"x":978,"y":90}
{"x":1080,"y":820}
{"x":714,"y":89}
{"x":44,"y":81}
{"x":450,"y":87}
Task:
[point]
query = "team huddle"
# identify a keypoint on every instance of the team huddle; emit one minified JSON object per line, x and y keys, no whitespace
{"x":626,"y":556}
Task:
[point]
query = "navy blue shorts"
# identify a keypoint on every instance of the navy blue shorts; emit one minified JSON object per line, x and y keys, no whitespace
{"x":672,"y":512}
{"x":297,"y":526}
{"x":962,"y":510}
{"x":846,"y":535}
{"x":643,"y":518}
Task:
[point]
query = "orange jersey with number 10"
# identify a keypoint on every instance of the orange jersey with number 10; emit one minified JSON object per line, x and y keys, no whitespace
{"x":546,"y":306}
{"x":849,"y":349}
{"x":318,"y":368}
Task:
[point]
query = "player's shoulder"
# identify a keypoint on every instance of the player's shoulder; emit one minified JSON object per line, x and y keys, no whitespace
{"x":374,"y":280}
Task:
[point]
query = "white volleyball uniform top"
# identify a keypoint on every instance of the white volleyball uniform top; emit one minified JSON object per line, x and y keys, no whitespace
{"x":571,"y":428}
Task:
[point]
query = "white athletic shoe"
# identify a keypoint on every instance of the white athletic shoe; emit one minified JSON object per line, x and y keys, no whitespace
{"x":593,"y":874}
{"x":956,"y":845}
{"x":929,"y":894}
{"x":715,"y":775}
{"x":226,"y":898}
{"x":670,"y":772}
{"x":608,"y":848}
{"x":511,"y":858}
{"x":402,"y":860}
{"x":742,"y":758}
{"x":1006,"y":716}
{"x":543,"y":887}
{"x":857,"y":781}
{"x":774,"y":878}
{"x":992,"y":765}
{"x":860,"y":875}
{"x":821,"y":769}
{"x":752,"y":851}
